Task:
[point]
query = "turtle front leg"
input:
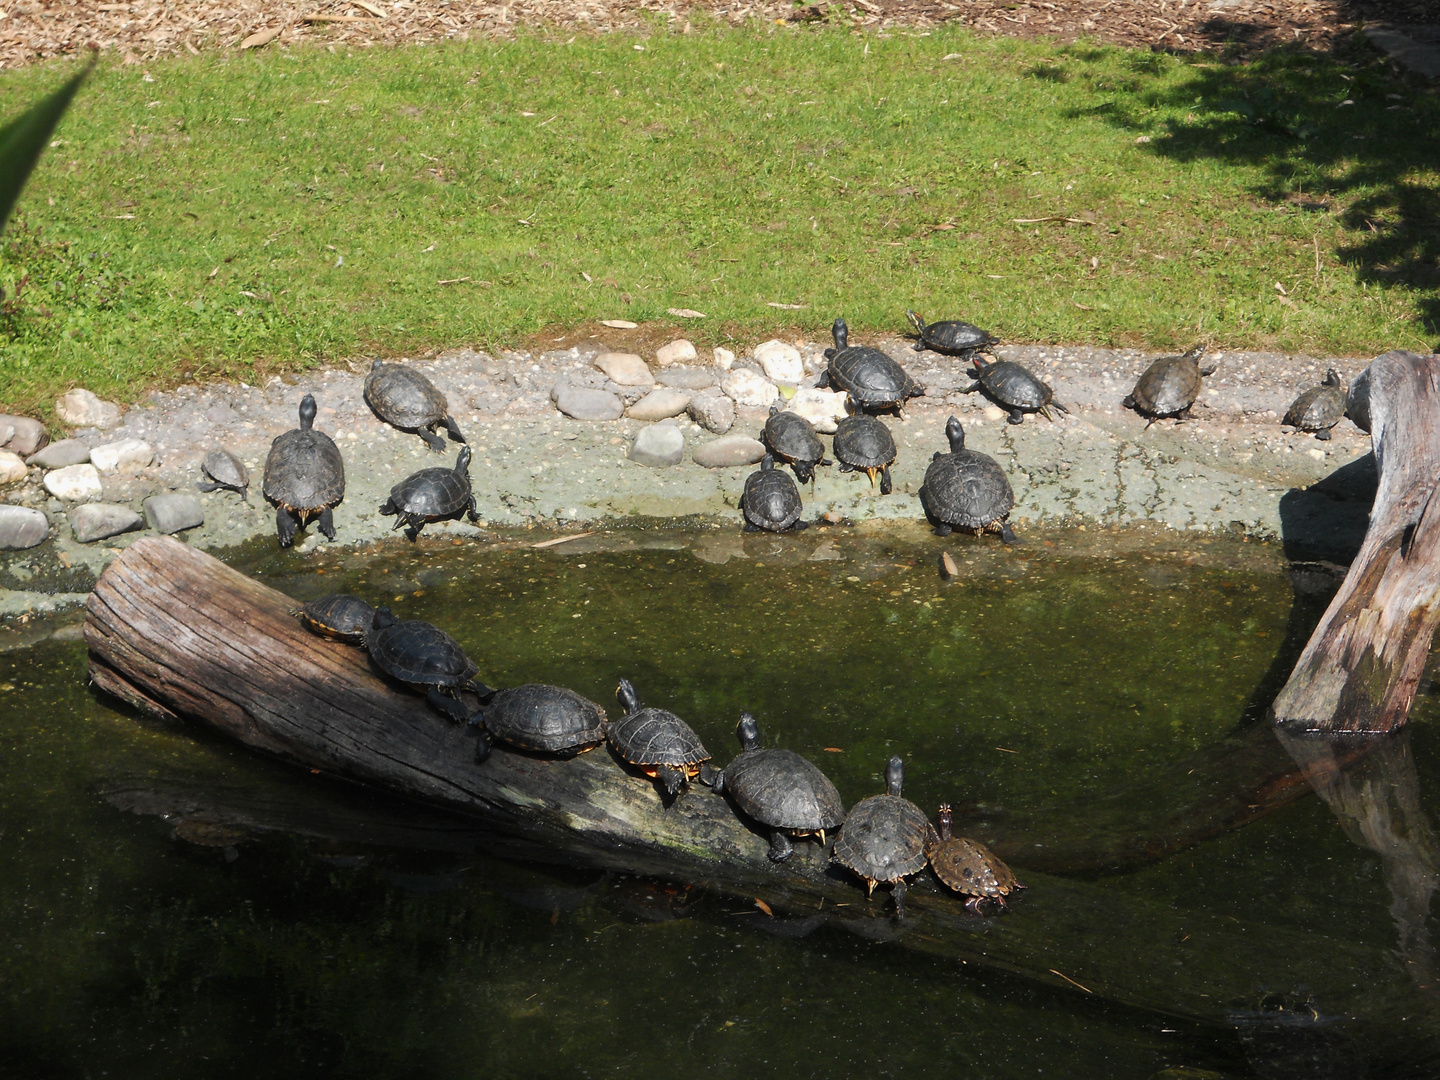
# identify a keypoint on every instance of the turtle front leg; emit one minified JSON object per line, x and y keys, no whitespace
{"x":326,"y":523}
{"x":1324,"y":435}
{"x":1007,"y":534}
{"x":471,"y":512}
{"x":205,"y":486}
{"x":285,"y":526}
{"x":670,"y":779}
{"x":413,"y":526}
{"x":1016,"y":417}
{"x":971,"y":388}
{"x":781,"y":847}
{"x":483,"y":743}
{"x":800,"y":526}
{"x":435,"y":442}
{"x":885,"y":487}
{"x":446,"y":706}
{"x":943,"y":530}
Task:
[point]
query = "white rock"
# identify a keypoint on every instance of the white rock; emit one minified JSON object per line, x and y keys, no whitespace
{"x":12,"y":467}
{"x":781,"y":361}
{"x":992,"y":413}
{"x":823,"y":408}
{"x":660,"y":404}
{"x":81,"y":408}
{"x":625,"y":369}
{"x":748,"y":387}
{"x":74,"y":482}
{"x":125,"y":456}
{"x":679,"y":351}
{"x":724,"y":358}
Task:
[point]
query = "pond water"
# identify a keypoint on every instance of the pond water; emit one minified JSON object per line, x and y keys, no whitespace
{"x":1090,"y":709}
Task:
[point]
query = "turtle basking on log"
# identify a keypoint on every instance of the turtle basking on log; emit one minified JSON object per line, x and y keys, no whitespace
{"x":657,"y":742}
{"x":540,"y":718}
{"x":418,"y":654}
{"x":885,"y":837}
{"x":339,"y":616}
{"x":969,"y":867}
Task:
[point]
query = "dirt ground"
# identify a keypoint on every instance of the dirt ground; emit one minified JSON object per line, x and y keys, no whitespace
{"x":141,"y":30}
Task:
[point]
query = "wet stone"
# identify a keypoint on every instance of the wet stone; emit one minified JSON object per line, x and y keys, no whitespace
{"x":125,"y":456}
{"x":713,"y":410}
{"x":21,"y":527}
{"x":74,"y":482}
{"x":12,"y":467}
{"x":60,"y":454}
{"x":81,"y":408}
{"x":26,"y":436}
{"x":583,"y":403}
{"x":658,"y":446}
{"x":660,"y":404}
{"x":688,"y":378}
{"x":97,"y":521}
{"x":172,"y":513}
{"x":625,"y":369}
{"x":679,"y":351}
{"x":729,"y":451}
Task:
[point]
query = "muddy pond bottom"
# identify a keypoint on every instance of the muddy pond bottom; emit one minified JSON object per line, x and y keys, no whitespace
{"x":176,"y":905}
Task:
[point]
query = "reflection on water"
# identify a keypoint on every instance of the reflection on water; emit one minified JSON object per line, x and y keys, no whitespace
{"x":174,"y":904}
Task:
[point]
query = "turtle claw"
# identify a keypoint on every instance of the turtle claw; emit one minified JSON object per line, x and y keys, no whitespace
{"x":285,"y":526}
{"x":327,"y":523}
{"x":435,"y":442}
{"x":781,"y":847}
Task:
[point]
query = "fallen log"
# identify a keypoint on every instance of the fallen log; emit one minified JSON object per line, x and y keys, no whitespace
{"x":1363,"y":663}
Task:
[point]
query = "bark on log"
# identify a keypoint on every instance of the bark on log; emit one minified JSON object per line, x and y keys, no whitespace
{"x":1361,"y":668}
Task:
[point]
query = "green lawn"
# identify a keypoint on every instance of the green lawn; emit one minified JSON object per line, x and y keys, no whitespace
{"x":277,"y":209}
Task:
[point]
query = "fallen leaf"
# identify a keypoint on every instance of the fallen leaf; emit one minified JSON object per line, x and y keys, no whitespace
{"x":948,"y":566}
{"x":452,"y":281}
{"x":1281,"y":289}
{"x":586,"y":276}
{"x":1082,"y":307}
{"x":685,"y":313}
{"x":212,"y":273}
{"x":619,"y":324}
{"x":261,"y":37}
{"x":834,"y":750}
{"x":764,"y":907}
{"x":952,"y":56}
{"x":787,"y":307}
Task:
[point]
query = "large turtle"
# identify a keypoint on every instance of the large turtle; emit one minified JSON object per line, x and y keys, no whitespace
{"x":423,"y":656}
{"x":771,"y":500}
{"x":951,"y":337}
{"x":969,"y":867}
{"x":1357,"y":401}
{"x":535,"y":716}
{"x":872,"y":379}
{"x":885,"y":837}
{"x":791,"y":438}
{"x":403,"y":397}
{"x":1320,"y":408}
{"x":966,"y":489}
{"x":864,"y":444}
{"x":225,"y":471}
{"x":657,"y":742}
{"x":1169,"y":386}
{"x":304,"y":477}
{"x":1014,"y":388}
{"x":339,"y":616}
{"x":432,"y":495}
{"x":780,"y":790}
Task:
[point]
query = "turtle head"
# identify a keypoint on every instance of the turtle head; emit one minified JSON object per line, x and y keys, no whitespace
{"x":1332,"y":378}
{"x":841,"y":333}
{"x":462,"y":463}
{"x":375,"y":365}
{"x":915,"y":321}
{"x":625,"y":694}
{"x":307,"y":412}
{"x":749,"y":732}
{"x":943,"y":821}
{"x":767,"y":462}
{"x":894,"y":775}
{"x":383,"y":617}
{"x":955,"y":433}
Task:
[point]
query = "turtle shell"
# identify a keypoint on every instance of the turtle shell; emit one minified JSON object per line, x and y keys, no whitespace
{"x":884,"y":838}
{"x":415,"y":652}
{"x":340,"y":616}
{"x":401,"y":396}
{"x":870,"y":377}
{"x":951,"y":336}
{"x":771,"y":500}
{"x":432,"y":493}
{"x":304,"y":471}
{"x":966,"y":488}
{"x":650,"y":737}
{"x":226,"y":470}
{"x":1013,"y":385}
{"x":1319,"y":408}
{"x":790,"y":437}
{"x":971,"y":869}
{"x":863,"y":442}
{"x":781,"y":789}
{"x":1168,"y":386}
{"x":540,"y":717}
{"x":1357,"y":401}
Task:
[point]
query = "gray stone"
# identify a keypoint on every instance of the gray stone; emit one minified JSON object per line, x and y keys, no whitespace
{"x":659,"y":404}
{"x":585,"y":404}
{"x":780,"y":361}
{"x":97,"y":521}
{"x":59,"y":454}
{"x":125,"y":456}
{"x":81,"y":408}
{"x":21,"y":527}
{"x":26,"y":436}
{"x":625,"y":369}
{"x":729,"y":451}
{"x":74,"y":482}
{"x":172,"y":513}
{"x":688,"y":378}
{"x":713,"y":410}
{"x":658,"y":446}
{"x":677,"y":352}
{"x":12,"y":467}
{"x":748,"y":387}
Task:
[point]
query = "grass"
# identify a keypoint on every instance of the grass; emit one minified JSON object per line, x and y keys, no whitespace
{"x":235,"y":214}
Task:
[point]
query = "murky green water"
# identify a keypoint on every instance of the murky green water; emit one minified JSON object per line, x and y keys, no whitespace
{"x":1064,"y":704}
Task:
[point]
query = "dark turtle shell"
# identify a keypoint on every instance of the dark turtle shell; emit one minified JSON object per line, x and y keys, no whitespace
{"x":430,"y":495}
{"x":790,"y":437}
{"x":401,"y":396}
{"x":548,"y":718}
{"x":951,"y":337}
{"x":885,"y":836}
{"x":1168,"y":386}
{"x":1014,"y":387}
{"x":869,"y":376}
{"x":966,"y":489}
{"x":863,"y":442}
{"x":780,"y":788}
{"x":655,"y":740}
{"x":1357,"y":401}
{"x":304,"y":472}
{"x":340,"y":616}
{"x":1319,"y":408}
{"x":771,"y":499}
{"x":415,"y":652}
{"x":969,"y":867}
{"x":227,"y":471}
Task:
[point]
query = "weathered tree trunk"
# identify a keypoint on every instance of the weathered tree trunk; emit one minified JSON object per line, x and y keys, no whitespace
{"x":1361,"y":668}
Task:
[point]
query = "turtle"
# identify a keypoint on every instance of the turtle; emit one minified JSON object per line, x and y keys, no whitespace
{"x":226,"y":471}
{"x":421,"y":655}
{"x":340,"y":616}
{"x":885,"y":837}
{"x":771,"y":500}
{"x":535,"y":716}
{"x":969,"y":867}
{"x":304,"y":477}
{"x":791,"y":438}
{"x":1320,"y":408}
{"x":870,"y":378}
{"x":1014,"y":388}
{"x":431,"y":495}
{"x":966,"y":489}
{"x":780,"y":790}
{"x":1357,"y":401}
{"x":656,"y":742}
{"x":406,"y":399}
{"x":1169,"y":386}
{"x":952,"y":337}
{"x":864,"y":444}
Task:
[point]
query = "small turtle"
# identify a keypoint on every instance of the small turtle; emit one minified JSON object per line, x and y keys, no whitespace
{"x":864,"y":444}
{"x":1357,"y":401}
{"x":1013,"y":388}
{"x":340,"y":616}
{"x":432,"y":495}
{"x":953,"y":338}
{"x":872,"y":379}
{"x":781,"y":790}
{"x":304,"y":477}
{"x":791,"y":438}
{"x":969,"y":867}
{"x":534,"y":716}
{"x":1320,"y":408}
{"x":406,"y":399}
{"x":421,"y":655}
{"x":771,"y":500}
{"x":1169,"y":386}
{"x":885,"y":837}
{"x":226,"y":471}
{"x":966,"y":489}
{"x":656,"y":742}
